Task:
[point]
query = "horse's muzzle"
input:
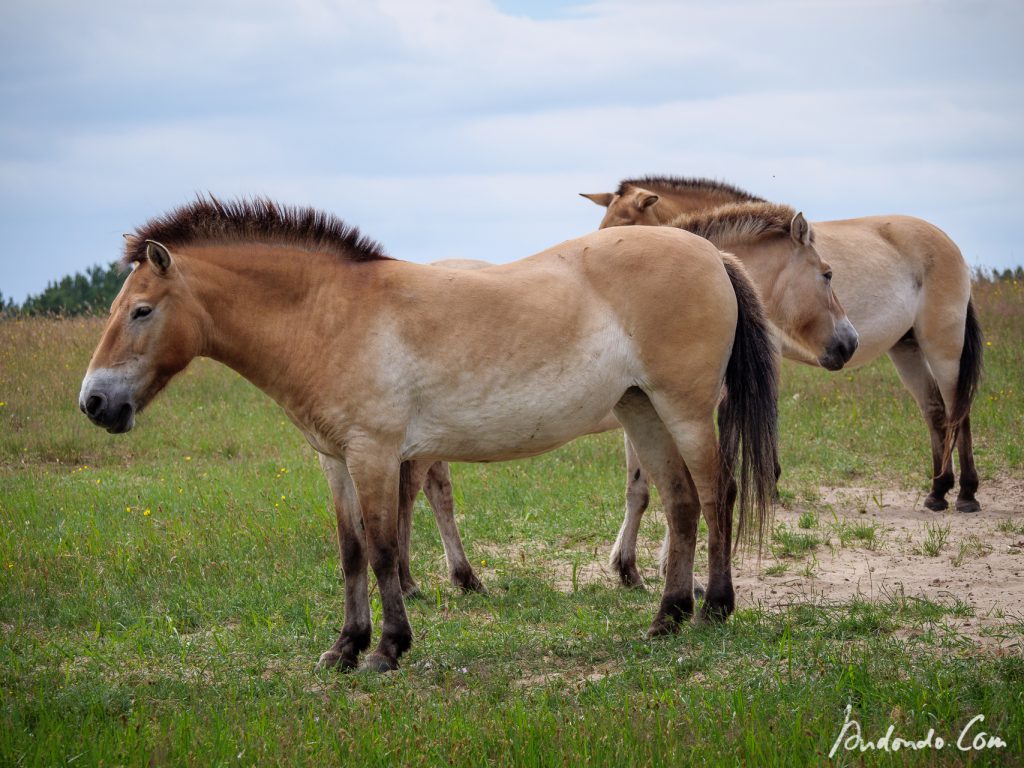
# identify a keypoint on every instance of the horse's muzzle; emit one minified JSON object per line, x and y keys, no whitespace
{"x":844,"y":345}
{"x":113,"y":411}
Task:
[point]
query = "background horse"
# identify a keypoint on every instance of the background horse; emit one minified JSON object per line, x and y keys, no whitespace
{"x":344,"y":339}
{"x":904,"y":284}
{"x":795,"y":284}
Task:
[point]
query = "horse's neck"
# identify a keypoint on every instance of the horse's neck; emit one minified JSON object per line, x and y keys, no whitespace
{"x":763,"y":261}
{"x":256,"y":314}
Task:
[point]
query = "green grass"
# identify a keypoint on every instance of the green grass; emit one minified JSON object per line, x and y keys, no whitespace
{"x":935,"y":538}
{"x":188,"y":635}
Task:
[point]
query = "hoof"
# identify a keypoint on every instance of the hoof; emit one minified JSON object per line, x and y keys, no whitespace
{"x":411,"y":591}
{"x":468,"y":583}
{"x":663,"y":626}
{"x":968,"y":505}
{"x":631,"y":578}
{"x":935,"y":503}
{"x":331,"y":659}
{"x":378,"y":662}
{"x":714,"y":614}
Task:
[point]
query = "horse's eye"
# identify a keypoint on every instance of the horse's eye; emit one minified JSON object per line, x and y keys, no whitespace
{"x":141,"y":311}
{"x":828,"y":276}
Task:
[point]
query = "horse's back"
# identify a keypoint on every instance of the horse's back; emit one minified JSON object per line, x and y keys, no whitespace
{"x":888,"y":271}
{"x":542,"y":349}
{"x":897,"y":238}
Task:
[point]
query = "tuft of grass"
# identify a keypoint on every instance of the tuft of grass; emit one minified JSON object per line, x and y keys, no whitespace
{"x":935,"y":539}
{"x":808,"y":519}
{"x":789,"y":543}
{"x":970,"y":547}
{"x":1011,"y":526}
{"x":866,"y":535}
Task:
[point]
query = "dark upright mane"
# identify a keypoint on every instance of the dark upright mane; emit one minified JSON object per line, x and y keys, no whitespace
{"x":737,"y":222}
{"x":669,"y":184}
{"x":209,"y":220}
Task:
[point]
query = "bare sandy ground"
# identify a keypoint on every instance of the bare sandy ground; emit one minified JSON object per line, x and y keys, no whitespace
{"x":980,"y":562}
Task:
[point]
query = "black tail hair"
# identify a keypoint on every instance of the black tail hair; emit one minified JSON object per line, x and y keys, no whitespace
{"x":748,"y":414}
{"x":967,"y":380}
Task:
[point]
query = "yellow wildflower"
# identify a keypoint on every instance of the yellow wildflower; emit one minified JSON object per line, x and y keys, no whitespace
{"x":146,"y":513}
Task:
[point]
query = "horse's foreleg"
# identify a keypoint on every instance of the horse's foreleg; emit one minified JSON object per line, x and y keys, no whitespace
{"x":660,"y":456}
{"x":638,"y":496}
{"x":375,"y":474}
{"x":355,"y":635}
{"x":438,"y":489}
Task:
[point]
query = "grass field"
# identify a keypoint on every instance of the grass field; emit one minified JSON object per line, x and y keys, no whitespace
{"x":165,"y":594}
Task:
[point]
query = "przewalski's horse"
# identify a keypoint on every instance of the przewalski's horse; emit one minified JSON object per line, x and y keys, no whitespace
{"x":656,"y":200}
{"x":807,"y":315}
{"x":345,"y":340}
{"x":907,"y":290}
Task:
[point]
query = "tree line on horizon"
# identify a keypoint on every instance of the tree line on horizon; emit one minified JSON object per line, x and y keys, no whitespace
{"x":78,"y":294}
{"x":92,"y":293}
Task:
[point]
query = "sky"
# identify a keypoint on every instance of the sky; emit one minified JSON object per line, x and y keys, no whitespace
{"x":466,"y":128}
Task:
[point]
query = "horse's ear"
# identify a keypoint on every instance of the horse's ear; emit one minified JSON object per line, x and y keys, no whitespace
{"x":800,"y":230}
{"x":158,"y":256}
{"x":645,"y":200}
{"x":604,"y":199}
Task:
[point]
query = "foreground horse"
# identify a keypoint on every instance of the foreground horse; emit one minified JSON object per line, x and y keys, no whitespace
{"x":904,"y":284}
{"x":795,"y":283}
{"x":344,"y":339}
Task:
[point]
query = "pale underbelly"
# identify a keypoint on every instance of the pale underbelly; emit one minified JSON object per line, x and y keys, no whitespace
{"x":515,"y":422}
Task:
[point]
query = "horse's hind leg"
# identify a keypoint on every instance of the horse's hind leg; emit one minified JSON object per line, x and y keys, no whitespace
{"x":438,"y":489}
{"x":661,"y":458}
{"x":413,"y":475}
{"x":355,"y":635}
{"x":623,"y":557}
{"x":965,"y":501}
{"x":698,"y":444}
{"x":916,"y":375}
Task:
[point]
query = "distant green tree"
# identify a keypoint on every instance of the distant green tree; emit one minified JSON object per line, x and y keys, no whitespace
{"x":7,"y":307}
{"x":78,"y":294}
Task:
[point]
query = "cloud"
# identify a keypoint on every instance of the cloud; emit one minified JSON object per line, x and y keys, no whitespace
{"x":466,"y":129}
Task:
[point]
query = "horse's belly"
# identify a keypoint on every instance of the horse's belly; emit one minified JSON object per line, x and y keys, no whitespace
{"x":501,"y":415}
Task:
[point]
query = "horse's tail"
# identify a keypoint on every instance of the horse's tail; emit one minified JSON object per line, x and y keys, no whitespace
{"x":748,"y":414}
{"x":967,"y":380}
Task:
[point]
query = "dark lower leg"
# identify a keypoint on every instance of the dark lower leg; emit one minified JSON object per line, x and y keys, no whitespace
{"x":720,"y":597}
{"x":966,"y":502}
{"x":438,"y":489}
{"x":638,"y":496}
{"x":682,"y":511}
{"x":942,"y":471}
{"x":411,"y":478}
{"x":355,"y":634}
{"x":396,"y":635}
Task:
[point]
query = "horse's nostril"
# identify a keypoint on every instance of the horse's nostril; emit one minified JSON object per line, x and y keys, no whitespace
{"x":94,"y":405}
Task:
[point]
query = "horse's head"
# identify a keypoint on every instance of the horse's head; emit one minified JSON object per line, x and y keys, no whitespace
{"x":803,"y":305}
{"x":634,"y":206}
{"x":153,"y":332}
